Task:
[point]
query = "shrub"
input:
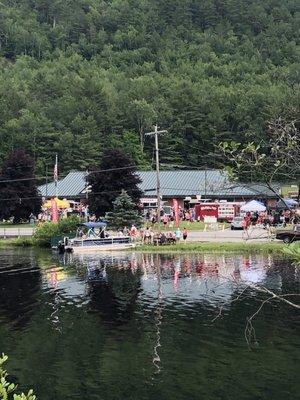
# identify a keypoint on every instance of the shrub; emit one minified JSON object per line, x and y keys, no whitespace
{"x":7,"y":389}
{"x":44,"y":233}
{"x":293,"y":251}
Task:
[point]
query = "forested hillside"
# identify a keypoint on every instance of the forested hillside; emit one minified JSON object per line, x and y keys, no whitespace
{"x":78,"y":76}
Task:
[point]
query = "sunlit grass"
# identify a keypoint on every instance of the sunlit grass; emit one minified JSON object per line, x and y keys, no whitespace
{"x":214,"y":247}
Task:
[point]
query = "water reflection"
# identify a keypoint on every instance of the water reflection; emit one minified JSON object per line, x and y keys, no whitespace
{"x":20,"y":283}
{"x":140,"y":326}
{"x":116,"y":280}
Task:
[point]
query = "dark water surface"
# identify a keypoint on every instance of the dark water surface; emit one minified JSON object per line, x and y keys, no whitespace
{"x":140,"y":326}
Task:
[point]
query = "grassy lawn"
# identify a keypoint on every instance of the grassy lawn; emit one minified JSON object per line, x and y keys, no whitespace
{"x":17,"y":242}
{"x":272,"y":247}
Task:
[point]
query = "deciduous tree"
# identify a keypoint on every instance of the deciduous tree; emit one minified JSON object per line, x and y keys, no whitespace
{"x":115,"y":173}
{"x":19,"y":195}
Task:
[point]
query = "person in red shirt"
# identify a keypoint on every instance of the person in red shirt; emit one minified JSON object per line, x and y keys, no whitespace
{"x":246,"y":221}
{"x":133,"y":232}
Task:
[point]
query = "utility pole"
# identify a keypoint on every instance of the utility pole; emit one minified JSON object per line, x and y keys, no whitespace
{"x":205,"y":181}
{"x":156,"y":133}
{"x":46,"y":167}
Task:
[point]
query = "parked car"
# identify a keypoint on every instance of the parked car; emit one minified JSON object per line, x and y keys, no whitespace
{"x":236,"y":223}
{"x":289,"y":236}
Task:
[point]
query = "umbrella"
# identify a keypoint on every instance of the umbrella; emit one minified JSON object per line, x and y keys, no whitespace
{"x":94,"y":224}
{"x":60,"y":203}
{"x":253,"y":206}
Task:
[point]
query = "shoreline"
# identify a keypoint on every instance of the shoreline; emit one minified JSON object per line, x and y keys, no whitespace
{"x":216,"y":247}
{"x":189,"y":247}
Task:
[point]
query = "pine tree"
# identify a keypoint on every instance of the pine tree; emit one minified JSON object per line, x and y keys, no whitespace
{"x":124,"y":212}
{"x":19,"y":195}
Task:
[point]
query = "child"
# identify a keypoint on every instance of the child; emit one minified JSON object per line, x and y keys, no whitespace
{"x":178,"y":234}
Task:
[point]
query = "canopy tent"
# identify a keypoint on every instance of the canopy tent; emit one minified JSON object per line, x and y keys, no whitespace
{"x":60,"y":203}
{"x":287,"y":203}
{"x":253,"y":206}
{"x":94,"y":224}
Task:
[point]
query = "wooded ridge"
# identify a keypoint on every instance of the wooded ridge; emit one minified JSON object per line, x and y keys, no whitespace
{"x":79,"y":76}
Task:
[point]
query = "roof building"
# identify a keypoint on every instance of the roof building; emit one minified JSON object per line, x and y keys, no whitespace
{"x":185,"y":184}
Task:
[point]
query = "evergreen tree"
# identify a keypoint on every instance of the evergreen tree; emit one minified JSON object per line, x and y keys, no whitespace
{"x":115,"y":173}
{"x":207,"y":71}
{"x":19,"y":195}
{"x":124,"y":212}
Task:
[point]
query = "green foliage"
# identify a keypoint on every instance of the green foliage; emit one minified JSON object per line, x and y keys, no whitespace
{"x":293,"y":251}
{"x":7,"y":389}
{"x":47,"y":230}
{"x":124,"y":212}
{"x":276,"y":157}
{"x":77,"y":76}
{"x":19,"y":195}
{"x":119,"y":174}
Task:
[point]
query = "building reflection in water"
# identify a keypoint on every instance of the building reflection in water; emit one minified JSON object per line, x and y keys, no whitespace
{"x":118,"y":278}
{"x":114,"y":283}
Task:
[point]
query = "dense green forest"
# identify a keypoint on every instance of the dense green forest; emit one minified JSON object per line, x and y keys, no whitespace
{"x":78,"y":76}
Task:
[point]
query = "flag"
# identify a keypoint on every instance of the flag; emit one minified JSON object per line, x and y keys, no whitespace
{"x":55,"y":172}
{"x":176,"y":211}
{"x":54,"y":211}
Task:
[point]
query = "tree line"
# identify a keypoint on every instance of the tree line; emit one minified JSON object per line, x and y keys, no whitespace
{"x":81,"y":76}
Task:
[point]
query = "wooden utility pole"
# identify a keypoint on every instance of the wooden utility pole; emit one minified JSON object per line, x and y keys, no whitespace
{"x":156,"y":133}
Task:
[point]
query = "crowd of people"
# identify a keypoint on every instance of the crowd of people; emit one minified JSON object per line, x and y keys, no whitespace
{"x":149,"y":236}
{"x":169,"y":219}
{"x":275,"y":218}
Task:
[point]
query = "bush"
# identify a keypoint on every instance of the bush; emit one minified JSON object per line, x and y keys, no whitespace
{"x":293,"y":251}
{"x":44,"y":233}
{"x":7,"y":389}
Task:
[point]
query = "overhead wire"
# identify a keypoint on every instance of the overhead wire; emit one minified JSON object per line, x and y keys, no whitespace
{"x":45,"y":177}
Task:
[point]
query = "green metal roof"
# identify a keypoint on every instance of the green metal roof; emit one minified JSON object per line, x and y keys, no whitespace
{"x":73,"y":185}
{"x":180,"y":184}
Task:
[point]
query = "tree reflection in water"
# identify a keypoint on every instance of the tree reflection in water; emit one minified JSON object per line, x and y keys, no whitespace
{"x":139,"y":326}
{"x":113,"y":290}
{"x":20,"y":280}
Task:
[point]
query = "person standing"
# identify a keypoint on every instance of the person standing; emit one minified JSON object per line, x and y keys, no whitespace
{"x":165,"y":221}
{"x":147,"y":236}
{"x":178,"y":234}
{"x":133,"y":232}
{"x":184,"y":235}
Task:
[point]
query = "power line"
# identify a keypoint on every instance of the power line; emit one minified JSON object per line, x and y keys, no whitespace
{"x":111,"y":169}
{"x":44,"y":177}
{"x":41,"y":197}
{"x":21,"y":179}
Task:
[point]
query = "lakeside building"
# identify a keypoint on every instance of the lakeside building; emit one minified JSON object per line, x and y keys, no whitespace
{"x":186,"y":186}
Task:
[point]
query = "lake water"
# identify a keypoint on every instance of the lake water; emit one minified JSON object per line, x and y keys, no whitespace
{"x":149,"y":326}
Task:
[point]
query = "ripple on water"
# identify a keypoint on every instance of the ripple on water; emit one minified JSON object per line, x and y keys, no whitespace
{"x":148,"y":326}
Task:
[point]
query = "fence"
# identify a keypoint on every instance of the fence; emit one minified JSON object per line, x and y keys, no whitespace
{"x":15,"y":232}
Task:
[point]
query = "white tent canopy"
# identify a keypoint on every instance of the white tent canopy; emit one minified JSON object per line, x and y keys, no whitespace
{"x":253,"y":206}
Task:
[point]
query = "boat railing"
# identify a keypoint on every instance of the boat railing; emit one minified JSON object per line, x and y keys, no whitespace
{"x":101,"y":241}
